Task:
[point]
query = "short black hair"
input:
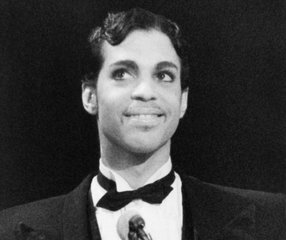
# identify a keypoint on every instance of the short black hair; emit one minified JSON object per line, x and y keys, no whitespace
{"x":117,"y":26}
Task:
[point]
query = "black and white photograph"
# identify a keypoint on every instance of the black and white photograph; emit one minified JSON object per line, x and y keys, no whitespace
{"x":143,"y":120}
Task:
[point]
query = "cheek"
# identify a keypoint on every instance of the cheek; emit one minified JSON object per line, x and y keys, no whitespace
{"x":111,"y":104}
{"x":106,"y":108}
{"x":173,"y":102}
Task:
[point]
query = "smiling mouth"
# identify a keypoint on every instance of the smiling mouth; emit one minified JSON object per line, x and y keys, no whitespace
{"x":144,"y":117}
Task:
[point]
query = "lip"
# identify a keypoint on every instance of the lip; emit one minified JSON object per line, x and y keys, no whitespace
{"x":144,"y":121}
{"x":144,"y":117}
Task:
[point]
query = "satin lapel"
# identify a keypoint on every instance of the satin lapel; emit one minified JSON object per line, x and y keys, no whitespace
{"x":93,"y":225}
{"x":215,"y":212}
{"x":75,"y":213}
{"x":188,"y":227}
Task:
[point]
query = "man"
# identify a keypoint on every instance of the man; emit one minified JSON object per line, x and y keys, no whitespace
{"x":138,"y":93}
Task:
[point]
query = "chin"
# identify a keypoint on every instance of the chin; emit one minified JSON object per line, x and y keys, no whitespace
{"x":144,"y":147}
{"x":142,"y":150}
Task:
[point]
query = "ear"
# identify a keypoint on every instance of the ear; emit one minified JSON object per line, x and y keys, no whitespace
{"x":184,"y":102}
{"x":89,"y":99}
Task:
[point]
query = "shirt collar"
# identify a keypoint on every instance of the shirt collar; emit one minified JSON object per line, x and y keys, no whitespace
{"x":122,"y":185}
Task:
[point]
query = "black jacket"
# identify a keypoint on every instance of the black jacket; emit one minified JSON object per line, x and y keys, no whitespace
{"x":211,"y":212}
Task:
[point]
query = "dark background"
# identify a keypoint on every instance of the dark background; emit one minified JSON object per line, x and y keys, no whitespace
{"x":233,"y":134}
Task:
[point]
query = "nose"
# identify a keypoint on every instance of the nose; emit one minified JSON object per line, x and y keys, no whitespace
{"x":144,"y":91}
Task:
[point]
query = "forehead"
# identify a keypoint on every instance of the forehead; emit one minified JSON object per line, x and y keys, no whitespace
{"x":143,"y":47}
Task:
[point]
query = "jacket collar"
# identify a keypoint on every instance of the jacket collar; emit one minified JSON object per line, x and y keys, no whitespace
{"x":75,"y":215}
{"x":224,"y":215}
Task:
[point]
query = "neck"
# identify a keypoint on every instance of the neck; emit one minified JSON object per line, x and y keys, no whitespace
{"x":135,"y":168}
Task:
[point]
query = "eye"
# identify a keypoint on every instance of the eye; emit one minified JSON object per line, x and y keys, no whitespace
{"x":120,"y":74}
{"x":165,"y":76}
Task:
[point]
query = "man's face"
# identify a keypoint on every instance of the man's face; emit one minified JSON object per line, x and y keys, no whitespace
{"x":138,"y":98}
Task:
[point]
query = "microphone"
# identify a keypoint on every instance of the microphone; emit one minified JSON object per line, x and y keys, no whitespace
{"x":130,"y":226}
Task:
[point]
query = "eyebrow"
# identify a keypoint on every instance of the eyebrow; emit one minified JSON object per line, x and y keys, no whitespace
{"x":131,"y":64}
{"x":126,"y":63}
{"x":166,"y":64}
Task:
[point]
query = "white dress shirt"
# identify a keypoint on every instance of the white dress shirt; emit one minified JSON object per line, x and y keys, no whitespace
{"x":162,"y":221}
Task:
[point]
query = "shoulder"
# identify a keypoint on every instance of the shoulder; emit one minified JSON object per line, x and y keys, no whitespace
{"x":38,"y":210}
{"x":48,"y":217}
{"x":227,"y":206}
{"x":225,"y":192}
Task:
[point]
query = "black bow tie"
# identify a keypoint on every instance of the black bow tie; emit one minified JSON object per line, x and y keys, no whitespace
{"x":151,"y":193}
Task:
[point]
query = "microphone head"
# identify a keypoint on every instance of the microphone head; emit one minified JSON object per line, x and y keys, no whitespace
{"x":131,"y":217}
{"x":136,"y":222}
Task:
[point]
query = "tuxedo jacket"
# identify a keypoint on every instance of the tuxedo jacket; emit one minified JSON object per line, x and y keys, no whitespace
{"x":210,"y":212}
